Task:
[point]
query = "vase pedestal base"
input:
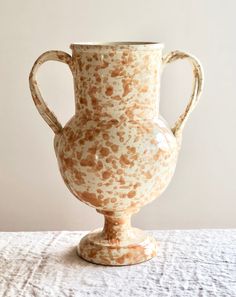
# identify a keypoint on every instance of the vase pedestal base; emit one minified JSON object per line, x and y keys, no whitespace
{"x":137,"y":248}
{"x":117,"y":243}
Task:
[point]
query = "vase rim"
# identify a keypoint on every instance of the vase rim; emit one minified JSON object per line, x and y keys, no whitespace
{"x":134,"y":45}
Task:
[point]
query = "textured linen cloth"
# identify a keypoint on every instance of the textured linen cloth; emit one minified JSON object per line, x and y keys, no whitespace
{"x":189,"y":263}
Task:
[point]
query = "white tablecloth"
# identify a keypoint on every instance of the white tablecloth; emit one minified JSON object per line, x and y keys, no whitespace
{"x":189,"y":263}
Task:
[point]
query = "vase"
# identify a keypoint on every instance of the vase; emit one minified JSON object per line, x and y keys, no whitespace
{"x":116,"y":153}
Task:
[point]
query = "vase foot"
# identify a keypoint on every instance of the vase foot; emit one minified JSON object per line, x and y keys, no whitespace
{"x":138,"y":247}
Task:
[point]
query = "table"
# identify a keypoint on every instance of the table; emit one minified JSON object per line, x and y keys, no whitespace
{"x":189,"y":263}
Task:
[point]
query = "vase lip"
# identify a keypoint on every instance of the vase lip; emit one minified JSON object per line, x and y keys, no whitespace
{"x":116,"y":45}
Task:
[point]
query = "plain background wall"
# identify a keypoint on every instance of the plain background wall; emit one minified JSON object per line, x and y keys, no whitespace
{"x":202,"y":193}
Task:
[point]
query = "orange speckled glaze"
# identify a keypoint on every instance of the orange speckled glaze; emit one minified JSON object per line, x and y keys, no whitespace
{"x":117,"y":153}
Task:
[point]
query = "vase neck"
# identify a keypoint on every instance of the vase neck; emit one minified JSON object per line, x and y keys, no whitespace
{"x":116,"y":83}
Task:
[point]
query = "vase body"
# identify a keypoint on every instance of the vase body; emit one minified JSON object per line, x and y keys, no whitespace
{"x":116,"y":153}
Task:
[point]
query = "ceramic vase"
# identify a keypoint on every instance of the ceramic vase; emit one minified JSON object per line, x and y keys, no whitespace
{"x":116,"y":153}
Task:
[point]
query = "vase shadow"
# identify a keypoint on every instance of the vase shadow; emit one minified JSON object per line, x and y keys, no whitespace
{"x":71,"y":258}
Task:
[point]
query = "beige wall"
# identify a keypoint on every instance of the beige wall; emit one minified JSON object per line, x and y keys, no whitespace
{"x":203,"y":190}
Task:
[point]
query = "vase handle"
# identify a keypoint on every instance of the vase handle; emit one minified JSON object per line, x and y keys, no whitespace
{"x":42,"y":107}
{"x":197,"y":87}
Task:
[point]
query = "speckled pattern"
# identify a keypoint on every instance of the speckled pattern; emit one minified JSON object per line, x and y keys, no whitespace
{"x":116,"y":153}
